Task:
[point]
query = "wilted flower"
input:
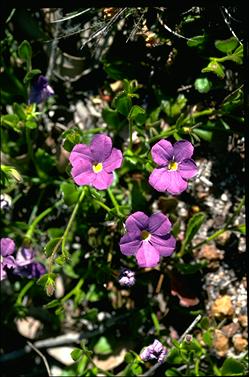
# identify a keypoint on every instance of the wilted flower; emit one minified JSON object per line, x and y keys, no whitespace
{"x":126,"y":277}
{"x":156,"y":351}
{"x":175,"y":166}
{"x":7,"y":248}
{"x":26,"y":265}
{"x":40,"y":90}
{"x":147,"y":238}
{"x":94,"y":164}
{"x":5,"y":201}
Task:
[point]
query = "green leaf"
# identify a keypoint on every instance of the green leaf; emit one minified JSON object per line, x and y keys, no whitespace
{"x":76,"y":354}
{"x":226,"y":45}
{"x":193,"y":226}
{"x":70,"y":193}
{"x":52,"y":304}
{"x":44,"y":278}
{"x":204,"y":323}
{"x":19,"y":111}
{"x":196,"y":41}
{"x":241,"y":228}
{"x":187,"y":268}
{"x":44,"y":160}
{"x":48,"y":249}
{"x":203,"y":85}
{"x":129,"y":358}
{"x":60,"y":260}
{"x":203,"y":134}
{"x":112,"y":117}
{"x":30,"y":75}
{"x":232,"y":367}
{"x":31,"y":124}
{"x":208,"y":338}
{"x":122,"y":103}
{"x":137,"y":114}
{"x":11,"y":120}
{"x":172,"y":372}
{"x":25,"y":51}
{"x":216,"y":68}
{"x":103,"y":346}
{"x":174,"y":357}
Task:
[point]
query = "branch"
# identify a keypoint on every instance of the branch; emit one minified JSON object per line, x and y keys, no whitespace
{"x":42,"y":356}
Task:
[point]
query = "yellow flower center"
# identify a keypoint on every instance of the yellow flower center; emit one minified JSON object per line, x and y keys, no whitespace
{"x":97,"y":168}
{"x":172,"y":165}
{"x":145,"y":235}
{"x":1,"y":258}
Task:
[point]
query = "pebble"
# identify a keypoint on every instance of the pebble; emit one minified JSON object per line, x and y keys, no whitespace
{"x":222,"y":307}
{"x":239,"y":342}
{"x":220,"y":343}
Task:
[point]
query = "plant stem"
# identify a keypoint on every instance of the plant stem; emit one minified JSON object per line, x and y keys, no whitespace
{"x":30,"y":148}
{"x":23,"y":292}
{"x":71,"y":293}
{"x":226,"y":227}
{"x":114,"y":202}
{"x":40,"y":217}
{"x":108,"y":209}
{"x":64,"y":238}
{"x":130,"y":134}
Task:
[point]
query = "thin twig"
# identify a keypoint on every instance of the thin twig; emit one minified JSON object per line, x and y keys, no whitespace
{"x":72,"y":16}
{"x":42,"y":356}
{"x":171,"y":31}
{"x":151,"y":371}
{"x":229,"y":25}
{"x":52,"y":52}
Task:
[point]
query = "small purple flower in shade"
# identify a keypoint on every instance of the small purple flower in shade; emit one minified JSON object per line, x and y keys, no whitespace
{"x":156,"y":351}
{"x":175,"y":166}
{"x":7,"y":247}
{"x":147,"y":238}
{"x":94,"y":164}
{"x":126,"y":277}
{"x":40,"y":90}
{"x":26,"y":265}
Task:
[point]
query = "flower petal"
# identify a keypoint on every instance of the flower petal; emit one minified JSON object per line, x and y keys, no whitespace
{"x":136,"y":222}
{"x":9,"y":262}
{"x":183,"y":149}
{"x":101,"y":147}
{"x":114,"y":161}
{"x":147,"y":255}
{"x":24,"y":256}
{"x":7,"y":246}
{"x":175,"y":184}
{"x":80,"y":151}
{"x":159,"y":224}
{"x":82,"y":173}
{"x":164,"y":245}
{"x":130,"y":243}
{"x":159,"y":179}
{"x":162,"y":152}
{"x":102,"y":180}
{"x":188,"y":168}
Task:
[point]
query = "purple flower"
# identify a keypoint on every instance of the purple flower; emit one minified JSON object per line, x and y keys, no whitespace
{"x":7,"y":247}
{"x":126,"y":277}
{"x":26,"y":265}
{"x":94,"y":164}
{"x":175,"y":166}
{"x":156,"y":351}
{"x":40,"y":91}
{"x":147,"y":238}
